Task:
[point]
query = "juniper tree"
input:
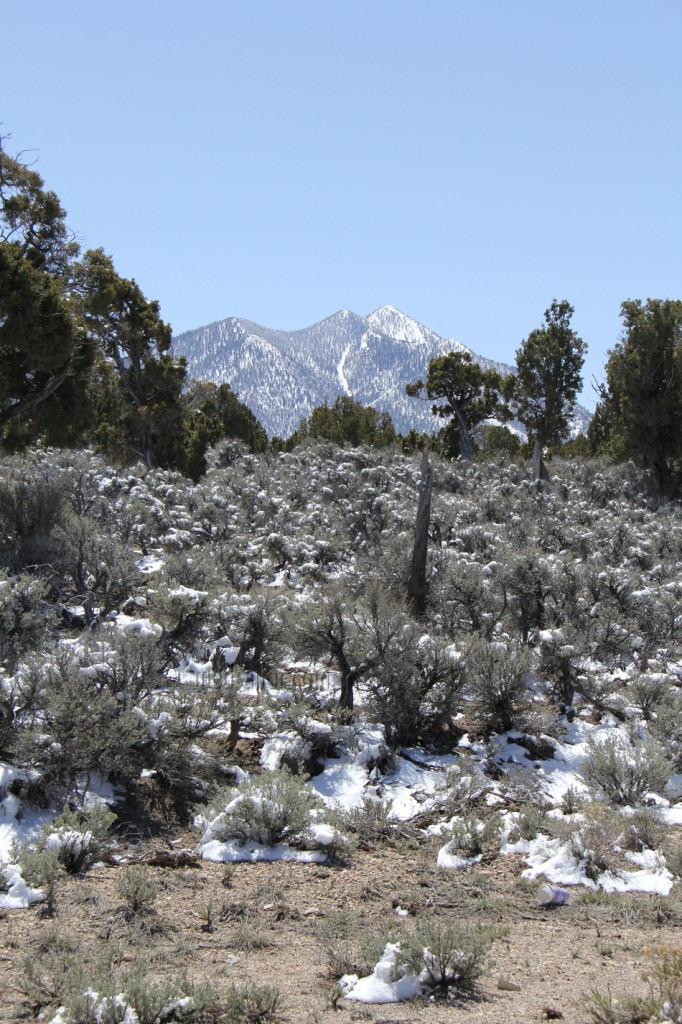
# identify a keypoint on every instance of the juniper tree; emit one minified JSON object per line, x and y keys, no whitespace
{"x":641,"y":403}
{"x":44,"y":349}
{"x":135,"y":344}
{"x":465,"y":393}
{"x":547,"y":381}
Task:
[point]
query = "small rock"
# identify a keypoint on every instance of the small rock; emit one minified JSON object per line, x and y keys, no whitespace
{"x":508,"y":986}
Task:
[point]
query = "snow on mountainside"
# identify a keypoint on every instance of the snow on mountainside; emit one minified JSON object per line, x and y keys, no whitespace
{"x":283,"y":375}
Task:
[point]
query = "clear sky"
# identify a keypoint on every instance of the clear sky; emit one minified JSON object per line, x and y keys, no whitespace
{"x":464,"y":160}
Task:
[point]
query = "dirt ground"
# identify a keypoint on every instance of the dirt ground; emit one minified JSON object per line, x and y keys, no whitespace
{"x":261,"y":923}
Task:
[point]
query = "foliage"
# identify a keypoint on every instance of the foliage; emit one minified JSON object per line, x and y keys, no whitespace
{"x":449,"y":955}
{"x":44,"y":350}
{"x":663,"y":1001}
{"x":135,"y":342}
{"x":346,"y":422}
{"x":641,"y":402}
{"x":548,"y":378}
{"x":83,"y":728}
{"x":350,"y":946}
{"x":101,"y":993}
{"x":136,"y":889}
{"x":495,"y":442}
{"x":497,"y":685}
{"x":75,"y":840}
{"x":461,"y":389}
{"x":273,"y":808}
{"x":25,"y":617}
{"x":474,"y":835}
{"x":211,"y":414}
{"x":370,"y":823}
{"x":625,"y":769}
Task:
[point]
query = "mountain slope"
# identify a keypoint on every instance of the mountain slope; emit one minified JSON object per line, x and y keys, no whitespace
{"x":283,"y":375}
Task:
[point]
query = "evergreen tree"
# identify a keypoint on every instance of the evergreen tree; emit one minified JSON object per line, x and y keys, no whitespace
{"x":135,"y":341}
{"x":347,"y":422}
{"x":462,"y":390}
{"x":548,"y":378}
{"x":44,"y":349}
{"x":212,"y":413}
{"x":639,"y":416}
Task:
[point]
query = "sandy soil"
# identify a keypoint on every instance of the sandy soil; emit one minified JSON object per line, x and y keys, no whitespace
{"x":555,"y":956}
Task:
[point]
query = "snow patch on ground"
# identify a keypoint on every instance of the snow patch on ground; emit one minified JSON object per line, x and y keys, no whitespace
{"x":380,"y":986}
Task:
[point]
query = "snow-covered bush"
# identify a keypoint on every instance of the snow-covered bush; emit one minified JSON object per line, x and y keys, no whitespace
{"x":370,"y":823}
{"x":275,"y":807}
{"x":103,"y":995}
{"x":80,"y":837}
{"x":26,"y":617}
{"x":464,"y":787}
{"x":31,"y":506}
{"x":445,"y":955}
{"x":624,"y":769}
{"x":351,"y":947}
{"x":76,"y":839}
{"x":473,"y":835}
{"x":644,"y":829}
{"x":82,"y":729}
{"x":95,"y":566}
{"x":415,"y":689}
{"x":594,"y":840}
{"x":666,"y":727}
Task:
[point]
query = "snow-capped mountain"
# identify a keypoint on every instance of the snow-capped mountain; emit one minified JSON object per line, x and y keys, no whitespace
{"x":283,"y":375}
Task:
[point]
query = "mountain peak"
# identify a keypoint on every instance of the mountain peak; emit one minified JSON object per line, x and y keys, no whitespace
{"x":283,"y":375}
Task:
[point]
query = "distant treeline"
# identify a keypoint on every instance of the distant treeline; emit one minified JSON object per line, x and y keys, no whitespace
{"x":85,"y":359}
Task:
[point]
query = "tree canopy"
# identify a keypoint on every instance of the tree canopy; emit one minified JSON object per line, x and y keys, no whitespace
{"x":133,"y":338}
{"x":347,"y":421}
{"x":639,"y":415}
{"x":548,"y":377}
{"x":43,"y":343}
{"x":461,"y":389}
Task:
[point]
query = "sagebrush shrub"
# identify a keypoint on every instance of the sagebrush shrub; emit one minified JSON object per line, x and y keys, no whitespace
{"x":136,"y":889}
{"x":349,"y":945}
{"x":446,"y":954}
{"x":624,"y":770}
{"x":31,"y":506}
{"x":474,"y":835}
{"x":595,"y":842}
{"x":26,"y":617}
{"x":272,"y":808}
{"x":82,"y":729}
{"x":100,"y":994}
{"x":497,"y":686}
{"x":74,"y":841}
{"x":644,"y":830}
{"x":370,"y":823}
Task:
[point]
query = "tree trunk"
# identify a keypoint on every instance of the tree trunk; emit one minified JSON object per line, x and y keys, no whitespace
{"x":540,"y":474}
{"x":466,"y":444}
{"x":416,"y":587}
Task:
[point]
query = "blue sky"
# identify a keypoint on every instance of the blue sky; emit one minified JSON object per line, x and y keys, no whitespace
{"x":279,"y":160}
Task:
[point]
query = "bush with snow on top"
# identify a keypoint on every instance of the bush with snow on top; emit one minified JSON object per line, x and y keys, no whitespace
{"x":624,"y":769}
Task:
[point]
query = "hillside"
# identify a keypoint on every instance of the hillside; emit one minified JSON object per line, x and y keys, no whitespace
{"x":282,"y":375}
{"x":172,"y":657}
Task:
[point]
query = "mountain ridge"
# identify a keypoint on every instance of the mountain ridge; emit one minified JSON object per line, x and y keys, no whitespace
{"x":283,"y":375}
